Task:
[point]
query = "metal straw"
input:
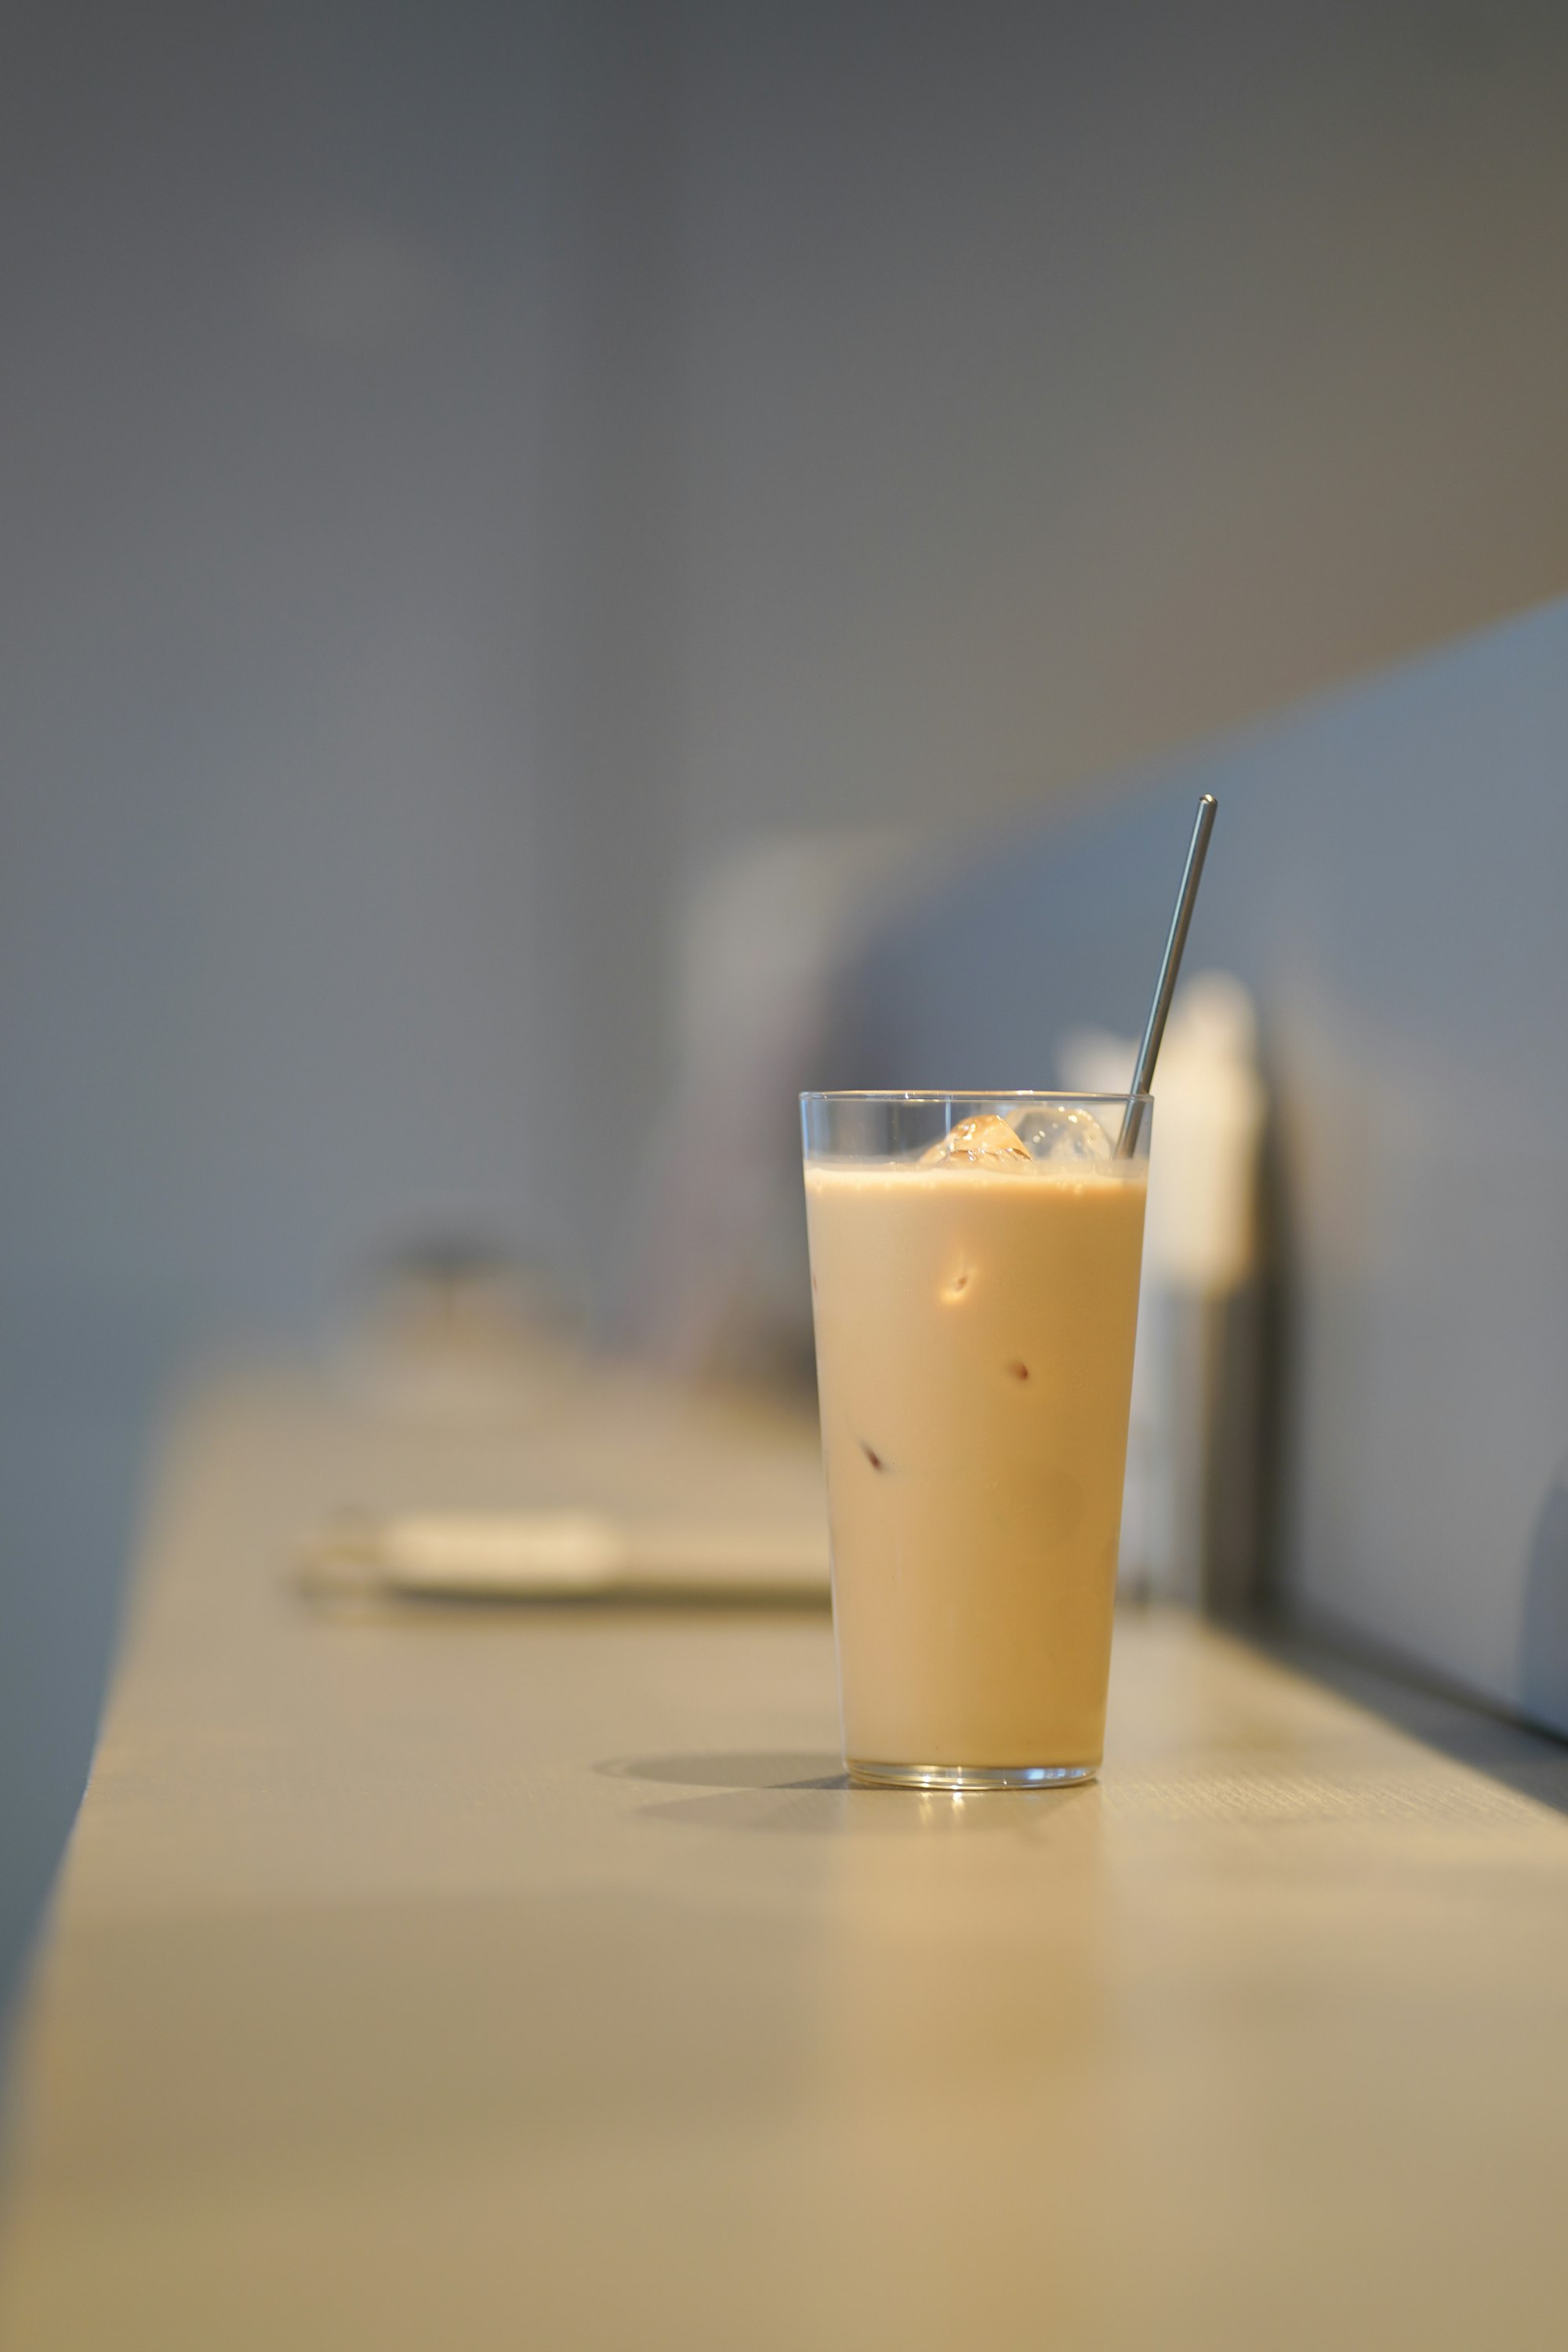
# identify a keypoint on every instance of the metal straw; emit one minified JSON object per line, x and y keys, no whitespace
{"x":1148,"y":1053}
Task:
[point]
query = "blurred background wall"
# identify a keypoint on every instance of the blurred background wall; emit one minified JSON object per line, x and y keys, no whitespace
{"x":467,"y":468}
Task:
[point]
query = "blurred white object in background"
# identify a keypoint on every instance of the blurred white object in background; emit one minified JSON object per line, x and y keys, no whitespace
{"x":453,"y":1328}
{"x":719,"y":1283}
{"x":465,"y":1443}
{"x":1190,"y":1518}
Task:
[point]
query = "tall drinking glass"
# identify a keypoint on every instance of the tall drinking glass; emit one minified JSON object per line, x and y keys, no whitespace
{"x":974,"y":1264}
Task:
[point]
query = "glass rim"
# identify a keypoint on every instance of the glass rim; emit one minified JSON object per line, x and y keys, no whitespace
{"x":968,"y":1094}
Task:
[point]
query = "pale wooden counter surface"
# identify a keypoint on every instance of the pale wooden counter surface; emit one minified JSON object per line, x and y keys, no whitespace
{"x":460,"y":1978}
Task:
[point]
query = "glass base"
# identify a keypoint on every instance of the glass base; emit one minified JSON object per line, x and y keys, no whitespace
{"x":961,"y":1777}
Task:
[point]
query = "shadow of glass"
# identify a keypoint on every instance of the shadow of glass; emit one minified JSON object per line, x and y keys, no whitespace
{"x":749,"y":1770}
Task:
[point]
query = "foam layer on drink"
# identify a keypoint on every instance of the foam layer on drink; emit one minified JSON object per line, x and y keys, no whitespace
{"x":974,"y":1324}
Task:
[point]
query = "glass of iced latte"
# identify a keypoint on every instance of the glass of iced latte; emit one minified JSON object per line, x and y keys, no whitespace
{"x":974,"y":1275}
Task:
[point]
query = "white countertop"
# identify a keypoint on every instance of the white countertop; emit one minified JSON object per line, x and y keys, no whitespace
{"x":466,"y":1977}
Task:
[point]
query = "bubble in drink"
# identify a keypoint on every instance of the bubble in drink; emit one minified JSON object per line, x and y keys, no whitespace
{"x":984,"y":1142}
{"x":1064,"y":1135}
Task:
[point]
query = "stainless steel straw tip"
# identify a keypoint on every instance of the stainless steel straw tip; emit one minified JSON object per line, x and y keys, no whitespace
{"x":1165,"y":987}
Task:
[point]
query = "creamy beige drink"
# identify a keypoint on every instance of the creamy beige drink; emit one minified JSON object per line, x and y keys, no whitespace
{"x":974,"y":1322}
